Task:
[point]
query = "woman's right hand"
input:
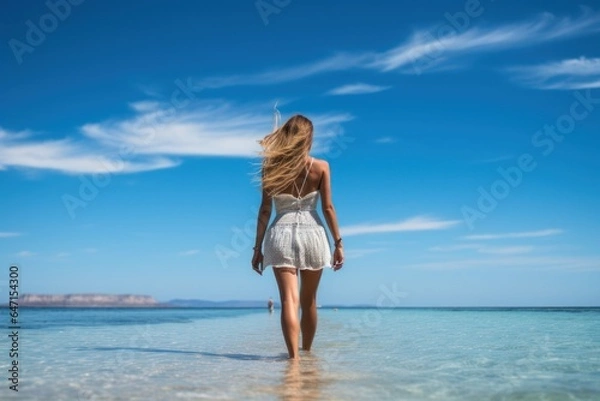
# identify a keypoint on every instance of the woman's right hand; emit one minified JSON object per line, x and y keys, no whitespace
{"x":338,"y":258}
{"x":257,"y":261}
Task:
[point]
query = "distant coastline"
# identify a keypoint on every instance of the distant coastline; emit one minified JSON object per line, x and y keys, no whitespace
{"x":97,"y":300}
{"x":87,"y":300}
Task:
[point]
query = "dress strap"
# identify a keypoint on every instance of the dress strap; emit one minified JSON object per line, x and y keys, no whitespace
{"x":305,"y":177}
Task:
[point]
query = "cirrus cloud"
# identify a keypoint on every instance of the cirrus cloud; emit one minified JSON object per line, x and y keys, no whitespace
{"x":569,"y":74}
{"x":357,"y":89}
{"x":417,"y":223}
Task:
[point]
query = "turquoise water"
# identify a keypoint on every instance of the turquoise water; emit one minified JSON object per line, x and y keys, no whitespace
{"x":359,"y":354}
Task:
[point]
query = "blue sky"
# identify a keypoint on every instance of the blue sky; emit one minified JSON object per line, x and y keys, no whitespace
{"x":461,"y":135}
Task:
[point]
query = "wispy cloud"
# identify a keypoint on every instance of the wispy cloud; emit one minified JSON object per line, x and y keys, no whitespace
{"x":357,"y":89}
{"x":156,"y":138}
{"x":385,"y":139}
{"x":9,"y":234}
{"x":479,"y":248}
{"x":506,"y":250}
{"x":526,"y":234}
{"x":25,"y":254}
{"x":570,"y":74}
{"x":69,"y":155}
{"x":207,"y":129}
{"x":63,"y":254}
{"x":386,"y":243}
{"x":423,"y":51}
{"x":189,"y":252}
{"x":5,"y":135}
{"x":560,"y":263}
{"x":90,"y":250}
{"x":418,"y":223}
{"x":337,"y":62}
{"x":453,"y":248}
{"x":360,"y":252}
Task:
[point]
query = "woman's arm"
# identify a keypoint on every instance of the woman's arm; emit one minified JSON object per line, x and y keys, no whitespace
{"x":264,"y":215}
{"x":327,"y":204}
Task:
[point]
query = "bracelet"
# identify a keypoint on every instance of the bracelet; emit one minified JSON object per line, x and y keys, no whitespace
{"x":338,"y":241}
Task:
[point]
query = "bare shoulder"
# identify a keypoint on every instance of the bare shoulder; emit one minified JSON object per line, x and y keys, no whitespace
{"x":321,"y":164}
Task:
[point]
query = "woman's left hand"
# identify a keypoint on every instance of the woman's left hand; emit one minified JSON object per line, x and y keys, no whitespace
{"x":257,"y":260}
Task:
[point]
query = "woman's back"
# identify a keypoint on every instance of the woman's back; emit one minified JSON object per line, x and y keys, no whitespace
{"x":313,"y":179}
{"x":297,"y":236}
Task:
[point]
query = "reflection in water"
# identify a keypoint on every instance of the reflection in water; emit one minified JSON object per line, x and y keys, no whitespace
{"x":302,"y":379}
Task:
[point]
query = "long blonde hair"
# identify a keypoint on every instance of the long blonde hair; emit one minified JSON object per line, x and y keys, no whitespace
{"x":284,"y":153}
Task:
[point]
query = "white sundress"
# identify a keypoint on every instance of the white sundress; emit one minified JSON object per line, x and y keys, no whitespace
{"x":297,"y":236}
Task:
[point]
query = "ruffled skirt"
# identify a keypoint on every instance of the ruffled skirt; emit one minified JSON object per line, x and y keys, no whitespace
{"x":297,"y":240}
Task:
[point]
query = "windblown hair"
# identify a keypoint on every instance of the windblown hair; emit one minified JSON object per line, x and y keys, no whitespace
{"x":284,"y":153}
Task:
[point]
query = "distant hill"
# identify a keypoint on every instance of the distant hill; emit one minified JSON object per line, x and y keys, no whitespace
{"x":87,"y":300}
{"x":200,"y":303}
{"x":131,"y":301}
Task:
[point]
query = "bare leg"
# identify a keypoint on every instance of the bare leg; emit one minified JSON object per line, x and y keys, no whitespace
{"x":287,"y":281}
{"x":308,"y":302}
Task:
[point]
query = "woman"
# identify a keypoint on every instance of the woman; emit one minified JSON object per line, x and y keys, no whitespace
{"x":296,"y":243}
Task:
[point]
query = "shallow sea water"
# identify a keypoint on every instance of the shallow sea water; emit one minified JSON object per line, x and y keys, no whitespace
{"x":358,"y":354}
